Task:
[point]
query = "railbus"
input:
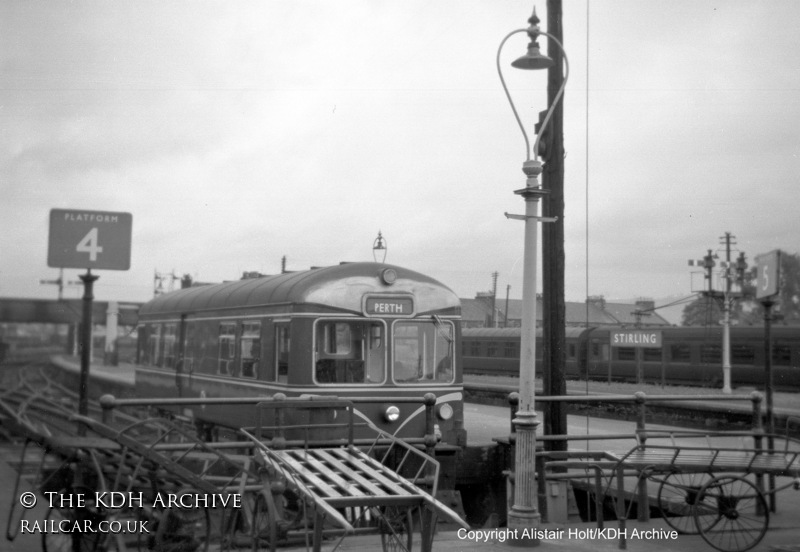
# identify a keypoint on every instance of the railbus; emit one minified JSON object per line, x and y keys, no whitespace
{"x":374,"y":333}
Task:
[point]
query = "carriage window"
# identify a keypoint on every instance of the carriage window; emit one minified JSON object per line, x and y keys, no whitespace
{"x":170,"y":338}
{"x":475,"y":348}
{"x":680,"y":352}
{"x":282,"y":345}
{"x":250,"y":348}
{"x":781,"y":355}
{"x":350,"y":352}
{"x":710,"y":354}
{"x":227,"y":349}
{"x":626,"y":353}
{"x":600,"y":350}
{"x":652,"y":354}
{"x":571,"y":350}
{"x":423,"y":352}
{"x":743,"y":354}
{"x":509,"y":349}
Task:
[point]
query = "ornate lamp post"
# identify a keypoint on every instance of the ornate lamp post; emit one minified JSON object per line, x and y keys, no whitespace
{"x":524,"y":517}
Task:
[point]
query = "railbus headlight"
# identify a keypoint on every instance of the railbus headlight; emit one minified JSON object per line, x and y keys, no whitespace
{"x":389,"y":276}
{"x":391,"y":414}
{"x":445,"y":411}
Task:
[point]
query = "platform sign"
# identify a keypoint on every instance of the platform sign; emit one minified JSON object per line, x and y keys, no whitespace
{"x":89,"y":239}
{"x":636,"y":338}
{"x":768,"y":268}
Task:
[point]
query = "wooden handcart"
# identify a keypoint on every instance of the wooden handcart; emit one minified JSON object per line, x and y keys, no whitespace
{"x":323,"y":486}
{"x":717,"y":492}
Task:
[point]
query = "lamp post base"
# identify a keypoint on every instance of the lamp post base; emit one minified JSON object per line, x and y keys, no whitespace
{"x":523,"y":517}
{"x":523,"y":528}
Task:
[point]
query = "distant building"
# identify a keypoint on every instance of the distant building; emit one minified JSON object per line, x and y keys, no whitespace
{"x":478,"y":313}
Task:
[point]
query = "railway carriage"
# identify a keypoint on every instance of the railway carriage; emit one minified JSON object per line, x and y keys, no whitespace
{"x":687,"y":356}
{"x":368,"y":331}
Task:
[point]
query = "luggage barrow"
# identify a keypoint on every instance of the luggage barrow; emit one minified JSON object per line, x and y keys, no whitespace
{"x":341,"y":489}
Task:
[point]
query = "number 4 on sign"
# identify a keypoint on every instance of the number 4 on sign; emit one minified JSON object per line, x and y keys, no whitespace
{"x":89,"y":245}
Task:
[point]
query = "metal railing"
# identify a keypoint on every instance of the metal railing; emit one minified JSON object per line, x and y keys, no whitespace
{"x":640,"y":434}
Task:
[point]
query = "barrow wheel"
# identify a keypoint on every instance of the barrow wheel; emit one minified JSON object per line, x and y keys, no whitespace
{"x":678,"y":498}
{"x":741,"y":514}
{"x":183,"y":530}
{"x":236,"y":531}
{"x":265,"y":523}
{"x":73,"y":540}
{"x":396,"y":526}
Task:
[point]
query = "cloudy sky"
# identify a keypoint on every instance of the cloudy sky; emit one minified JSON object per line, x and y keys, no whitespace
{"x":238,"y":132}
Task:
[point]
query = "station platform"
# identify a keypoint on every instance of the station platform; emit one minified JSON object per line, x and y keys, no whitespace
{"x":783,"y":534}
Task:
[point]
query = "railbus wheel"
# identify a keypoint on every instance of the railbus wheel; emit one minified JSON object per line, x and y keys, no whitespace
{"x":678,"y":498}
{"x":741,"y":510}
{"x":396,"y":529}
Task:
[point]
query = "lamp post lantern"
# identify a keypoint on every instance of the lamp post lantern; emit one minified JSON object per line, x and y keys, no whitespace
{"x":524,"y":517}
{"x":379,"y":248}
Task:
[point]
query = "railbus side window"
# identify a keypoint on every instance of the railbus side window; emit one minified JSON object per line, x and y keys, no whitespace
{"x":154,"y":345}
{"x":189,"y":343}
{"x":423,"y":352}
{"x":170,"y":340}
{"x":250,"y":348}
{"x":282,"y":346}
{"x":227,"y":348}
{"x":143,"y":352}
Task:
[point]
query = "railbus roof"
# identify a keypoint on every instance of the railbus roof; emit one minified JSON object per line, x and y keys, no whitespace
{"x":341,"y":287}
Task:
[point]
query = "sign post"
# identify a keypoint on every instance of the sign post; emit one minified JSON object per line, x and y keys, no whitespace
{"x":768,"y":277}
{"x":88,"y":239}
{"x":767,"y":288}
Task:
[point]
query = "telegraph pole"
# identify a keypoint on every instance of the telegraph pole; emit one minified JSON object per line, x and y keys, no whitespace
{"x":494,"y":298}
{"x":553,"y":306}
{"x":726,"y":297}
{"x":726,"y":318}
